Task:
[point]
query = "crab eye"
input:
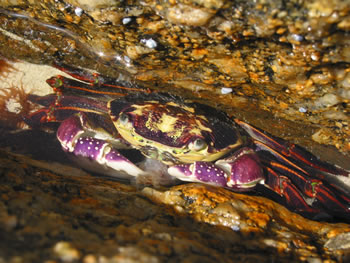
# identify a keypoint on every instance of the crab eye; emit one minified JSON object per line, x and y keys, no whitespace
{"x":124,"y":119}
{"x":199,"y":144}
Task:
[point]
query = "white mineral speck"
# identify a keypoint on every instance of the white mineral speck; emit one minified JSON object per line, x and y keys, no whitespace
{"x":297,"y":37}
{"x":150,"y":43}
{"x":314,"y":57}
{"x":225,"y":90}
{"x":118,"y":58}
{"x":235,"y":228}
{"x":302,"y":109}
{"x":126,"y":20}
{"x":127,"y":59}
{"x":78,"y":11}
{"x":66,"y":252}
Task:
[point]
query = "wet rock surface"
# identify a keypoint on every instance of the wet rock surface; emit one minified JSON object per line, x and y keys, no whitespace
{"x":283,"y":66}
{"x":69,"y":217}
{"x":289,"y":59}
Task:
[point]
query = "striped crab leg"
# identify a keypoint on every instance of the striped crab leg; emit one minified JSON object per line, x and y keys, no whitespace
{"x":92,"y":83}
{"x":296,"y":174}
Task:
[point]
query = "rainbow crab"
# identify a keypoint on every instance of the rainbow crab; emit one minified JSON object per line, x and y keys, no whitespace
{"x":192,"y":142}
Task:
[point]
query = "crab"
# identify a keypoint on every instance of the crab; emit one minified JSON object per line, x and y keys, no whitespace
{"x":115,"y":129}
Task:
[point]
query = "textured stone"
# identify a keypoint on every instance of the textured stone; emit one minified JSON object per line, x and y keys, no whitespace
{"x":282,"y":66}
{"x":283,"y":57}
{"x":68,"y":217}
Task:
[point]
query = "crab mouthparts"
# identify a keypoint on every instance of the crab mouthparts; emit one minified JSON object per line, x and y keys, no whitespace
{"x":154,"y":153}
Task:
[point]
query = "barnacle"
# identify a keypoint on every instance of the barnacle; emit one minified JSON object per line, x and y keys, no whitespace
{"x":5,"y":67}
{"x":14,"y":104}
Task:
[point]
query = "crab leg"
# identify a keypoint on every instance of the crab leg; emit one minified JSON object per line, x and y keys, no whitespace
{"x":310,"y":182}
{"x":288,"y":150}
{"x":288,"y":192}
{"x":62,"y":83}
{"x":316,"y":196}
{"x":308,"y":177}
{"x":240,"y":172}
{"x":97,"y":80}
{"x":58,"y":107}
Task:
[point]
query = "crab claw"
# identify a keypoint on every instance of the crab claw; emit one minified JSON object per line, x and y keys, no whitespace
{"x":243,"y":168}
{"x":240,"y":172}
{"x":69,"y":131}
{"x":203,"y":172}
{"x":99,"y":156}
{"x":95,"y":154}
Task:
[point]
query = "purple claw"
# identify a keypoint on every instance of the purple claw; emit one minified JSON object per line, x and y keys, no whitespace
{"x":89,"y":147}
{"x":109,"y":160}
{"x":240,"y":172}
{"x":117,"y":162}
{"x":97,"y":155}
{"x":199,"y":172}
{"x":68,"y":132}
{"x":209,"y":173}
{"x":244,"y":169}
{"x":182,"y":171}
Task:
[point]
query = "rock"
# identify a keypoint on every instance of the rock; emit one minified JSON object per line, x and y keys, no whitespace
{"x":281,"y":66}
{"x":282,"y":56}
{"x":66,"y":217}
{"x":66,"y":252}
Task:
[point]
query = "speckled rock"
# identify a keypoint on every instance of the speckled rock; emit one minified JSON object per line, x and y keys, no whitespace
{"x":289,"y":59}
{"x":65,"y":216}
{"x":282,"y":66}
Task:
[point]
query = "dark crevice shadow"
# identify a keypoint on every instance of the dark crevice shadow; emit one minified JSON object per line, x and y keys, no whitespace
{"x":37,"y":144}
